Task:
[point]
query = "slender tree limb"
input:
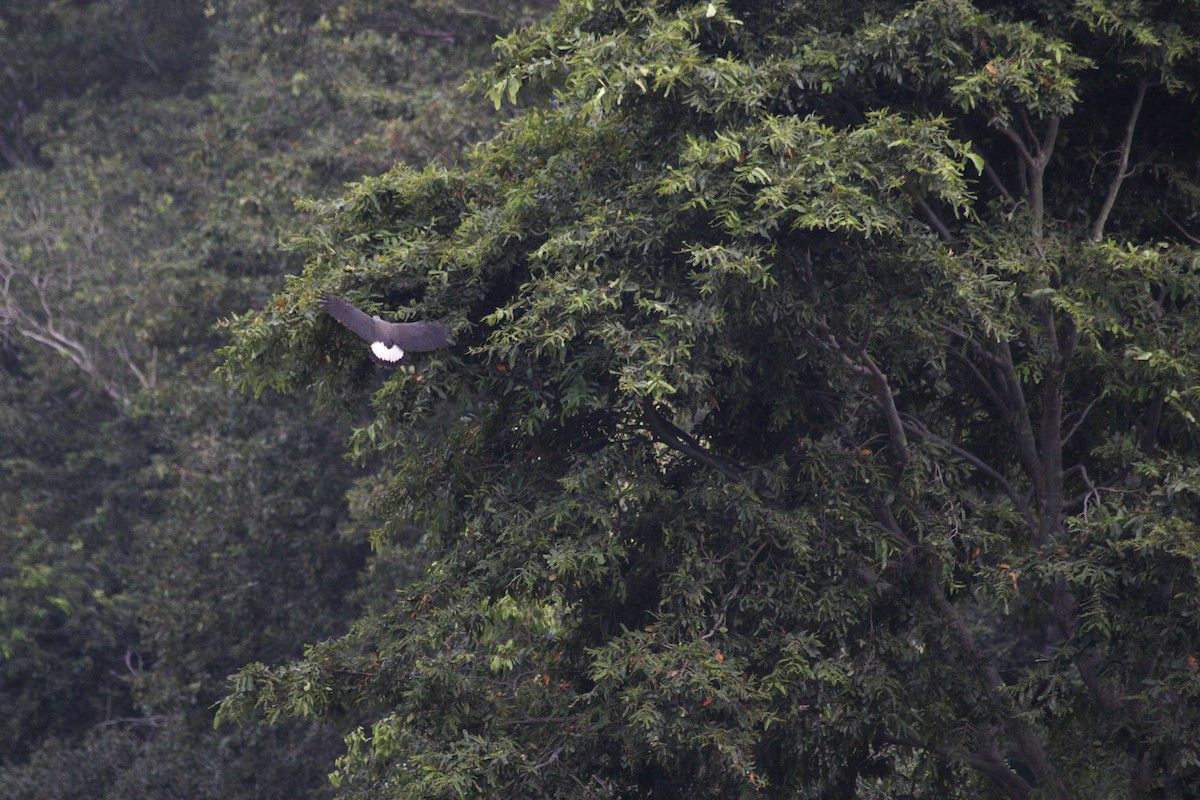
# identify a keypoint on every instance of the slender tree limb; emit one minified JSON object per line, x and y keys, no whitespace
{"x":44,"y":330}
{"x":1149,"y":437}
{"x":1079,"y":422}
{"x":474,"y":12}
{"x":884,"y":398}
{"x":1017,"y":141}
{"x":666,"y":432}
{"x":1114,"y":186}
{"x":1046,"y":148}
{"x":1019,"y":418}
{"x":920,"y":430}
{"x":1037,"y":174}
{"x":992,"y":765}
{"x":988,"y":762}
{"x":147,"y":378}
{"x":1036,"y":156}
{"x":887,"y":520}
{"x":1030,"y":135}
{"x":1103,"y":697}
{"x":970,"y":341}
{"x":983,"y":382}
{"x":1091,"y":493}
{"x":1181,"y":229}
{"x":933,"y":218}
{"x":1093,"y":489}
{"x":77,"y":354}
{"x":998,"y":184}
{"x":1050,"y":428}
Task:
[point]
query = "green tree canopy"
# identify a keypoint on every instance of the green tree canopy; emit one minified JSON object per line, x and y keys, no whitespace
{"x":822,"y":423}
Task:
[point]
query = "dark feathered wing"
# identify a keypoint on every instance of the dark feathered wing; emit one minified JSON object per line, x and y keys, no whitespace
{"x":414,"y":337}
{"x":357,"y":321}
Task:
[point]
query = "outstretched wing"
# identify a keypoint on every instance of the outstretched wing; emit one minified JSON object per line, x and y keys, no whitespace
{"x":415,"y":337}
{"x":357,"y":321}
{"x":389,"y":340}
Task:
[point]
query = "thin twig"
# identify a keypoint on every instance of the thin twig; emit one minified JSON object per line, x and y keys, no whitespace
{"x":1079,"y":422}
{"x":1180,"y":228}
{"x":997,"y":183}
{"x":984,"y":383}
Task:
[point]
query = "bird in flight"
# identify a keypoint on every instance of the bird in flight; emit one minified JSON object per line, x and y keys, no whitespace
{"x":389,"y":340}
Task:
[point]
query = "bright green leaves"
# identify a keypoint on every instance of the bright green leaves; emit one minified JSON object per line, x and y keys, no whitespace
{"x":799,"y":173}
{"x":997,"y":65}
{"x":505,"y":89}
{"x":1155,"y":44}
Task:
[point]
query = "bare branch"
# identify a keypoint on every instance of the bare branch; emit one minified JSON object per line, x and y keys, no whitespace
{"x":887,"y":520}
{"x":474,"y":12}
{"x":983,"y":382}
{"x":992,"y":765}
{"x":1093,"y":490}
{"x":1050,"y":487}
{"x":1016,"y":139}
{"x":1079,"y":422}
{"x":1181,"y":229}
{"x":1019,"y":418}
{"x":997,"y":183}
{"x":989,"y":762}
{"x":1122,"y":163}
{"x":1037,"y":174}
{"x":1149,"y":436}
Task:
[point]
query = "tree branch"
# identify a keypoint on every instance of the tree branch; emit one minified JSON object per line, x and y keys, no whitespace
{"x":1037,"y":174}
{"x":1079,"y":422}
{"x":920,"y":430}
{"x":1051,"y":435}
{"x":45,"y":331}
{"x":1016,"y":139}
{"x":1027,"y":742}
{"x":1122,"y":163}
{"x":992,"y":176}
{"x":1019,"y":418}
{"x":1180,"y":228}
{"x":883,"y":398}
{"x":989,"y":763}
{"x":983,"y":382}
{"x":666,"y":432}
{"x":933,"y":218}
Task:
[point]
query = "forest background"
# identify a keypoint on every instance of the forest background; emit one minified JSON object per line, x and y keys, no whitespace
{"x":822,"y":419}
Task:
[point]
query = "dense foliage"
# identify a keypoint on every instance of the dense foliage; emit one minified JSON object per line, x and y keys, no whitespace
{"x":823,"y":419}
{"x":157,"y":529}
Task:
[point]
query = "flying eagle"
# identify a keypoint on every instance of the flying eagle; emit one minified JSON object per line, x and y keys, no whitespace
{"x":389,"y":340}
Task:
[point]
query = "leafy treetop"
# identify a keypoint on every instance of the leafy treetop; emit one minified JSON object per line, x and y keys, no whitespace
{"x":823,"y":420}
